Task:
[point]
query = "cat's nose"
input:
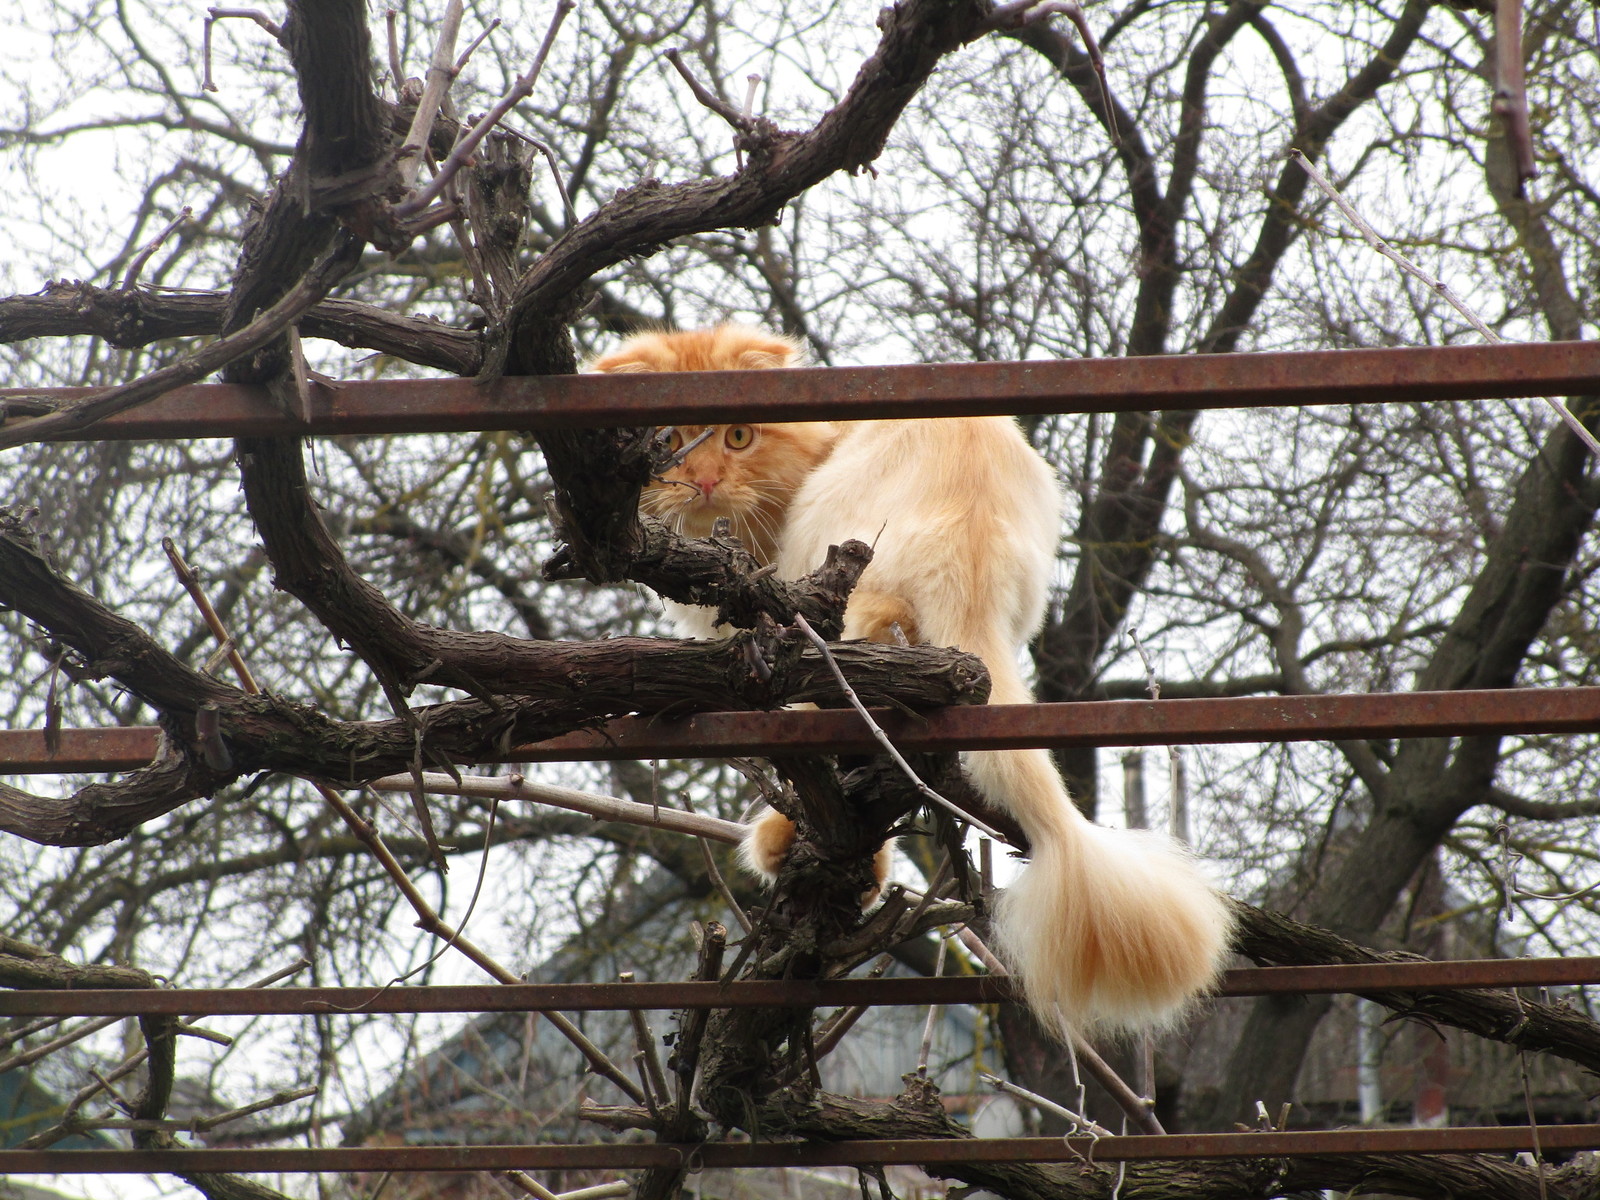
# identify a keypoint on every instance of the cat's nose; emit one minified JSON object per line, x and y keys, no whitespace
{"x":706,"y":487}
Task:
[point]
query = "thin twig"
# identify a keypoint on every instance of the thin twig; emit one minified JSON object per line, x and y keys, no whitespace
{"x":1506,"y":871}
{"x":721,"y":884}
{"x":555,"y":174}
{"x":1147,"y":1067}
{"x":829,"y":1034}
{"x":213,"y":15}
{"x":678,"y":455}
{"x":149,"y":248}
{"x":276,"y":1100}
{"x":207,"y":84}
{"x":191,"y":584}
{"x":743,"y":122}
{"x":429,"y":921}
{"x":71,"y":1124}
{"x":397,"y":71}
{"x":1510,"y":91}
{"x":1078,"y":1121}
{"x":933,"y":1011}
{"x":1115,"y":1086}
{"x":530,"y":1185}
{"x":442,"y":214}
{"x":751,"y":82}
{"x":605,"y":808}
{"x":477,"y":887}
{"x":645,"y":1040}
{"x":1371,"y":237}
{"x":518,"y":92}
{"x":604,"y":1191}
{"x":883,"y":738}
{"x":1018,"y":13}
{"x":940,"y":878}
{"x":249,"y":14}
{"x":837,"y":1028}
{"x":12,"y":1036}
{"x":189,"y":1029}
{"x":473,"y":45}
{"x":650,"y":1102}
{"x":34,"y":1053}
{"x":441,"y":74}
{"x":1177,"y":818}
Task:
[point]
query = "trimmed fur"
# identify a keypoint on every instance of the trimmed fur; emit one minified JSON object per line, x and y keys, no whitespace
{"x":1105,"y":928}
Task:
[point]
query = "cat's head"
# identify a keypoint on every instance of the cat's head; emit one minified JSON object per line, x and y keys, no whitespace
{"x":747,"y":473}
{"x":720,"y":348}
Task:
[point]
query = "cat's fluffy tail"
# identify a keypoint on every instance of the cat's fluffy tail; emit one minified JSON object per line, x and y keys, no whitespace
{"x":1107,"y":929}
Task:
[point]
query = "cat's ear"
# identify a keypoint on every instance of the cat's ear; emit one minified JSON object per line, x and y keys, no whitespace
{"x":622,"y":366}
{"x":755,"y":360}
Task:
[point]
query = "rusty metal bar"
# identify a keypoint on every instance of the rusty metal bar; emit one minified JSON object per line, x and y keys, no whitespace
{"x":988,"y":727}
{"x":1134,"y":1148}
{"x":592,"y":997}
{"x":1409,"y":976}
{"x":954,"y":389}
{"x":1092,"y":723}
{"x":24,"y":752}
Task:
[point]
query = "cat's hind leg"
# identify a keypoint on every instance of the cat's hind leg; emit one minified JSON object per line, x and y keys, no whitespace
{"x":872,"y":615}
{"x":767,"y":841}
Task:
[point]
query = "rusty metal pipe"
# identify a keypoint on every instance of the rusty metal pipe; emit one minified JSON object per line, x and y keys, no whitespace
{"x":987,"y":727}
{"x":1140,"y":1147}
{"x":1184,"y":381}
{"x":827,"y":993}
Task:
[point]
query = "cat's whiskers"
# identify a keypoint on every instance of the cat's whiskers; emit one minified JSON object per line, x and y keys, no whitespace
{"x":658,"y":501}
{"x":763,"y":533}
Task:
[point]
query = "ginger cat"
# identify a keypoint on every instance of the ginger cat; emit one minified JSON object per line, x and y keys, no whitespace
{"x":1106,"y":928}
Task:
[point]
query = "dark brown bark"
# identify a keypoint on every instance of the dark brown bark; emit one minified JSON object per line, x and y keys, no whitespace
{"x":917,"y":1113}
{"x":531,"y":690}
{"x":24,"y":965}
{"x":1273,"y":939}
{"x":139,"y":316}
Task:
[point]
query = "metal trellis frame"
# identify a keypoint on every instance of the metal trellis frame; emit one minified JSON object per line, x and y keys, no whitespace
{"x":1218,"y":381}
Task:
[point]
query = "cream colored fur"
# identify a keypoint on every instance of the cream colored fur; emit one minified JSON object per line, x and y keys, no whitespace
{"x":1106,"y":928}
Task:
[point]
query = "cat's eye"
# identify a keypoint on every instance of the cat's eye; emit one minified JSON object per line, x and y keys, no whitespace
{"x":739,"y":436}
{"x":674,"y":440}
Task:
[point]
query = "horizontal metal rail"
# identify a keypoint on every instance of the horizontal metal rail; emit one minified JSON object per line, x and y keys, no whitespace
{"x":1188,"y":381}
{"x":809,"y":993}
{"x":977,"y":727}
{"x":612,"y":1156}
{"x":1106,"y":385}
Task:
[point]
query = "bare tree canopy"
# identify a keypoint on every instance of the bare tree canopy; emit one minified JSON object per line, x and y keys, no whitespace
{"x":317,"y":192}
